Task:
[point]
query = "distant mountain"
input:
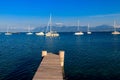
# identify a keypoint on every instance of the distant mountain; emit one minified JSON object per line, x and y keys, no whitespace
{"x":60,"y":29}
{"x":74,"y":28}
{"x":38,"y":29}
{"x":103,"y":28}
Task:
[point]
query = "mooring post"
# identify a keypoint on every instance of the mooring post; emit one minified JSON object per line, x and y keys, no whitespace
{"x":44,"y":53}
{"x":61,"y":54}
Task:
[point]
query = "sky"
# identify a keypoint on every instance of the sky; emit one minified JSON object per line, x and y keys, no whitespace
{"x":21,"y":13}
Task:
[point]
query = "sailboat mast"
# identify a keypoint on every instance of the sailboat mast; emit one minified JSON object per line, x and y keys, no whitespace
{"x":88,"y":27}
{"x":114,"y":25}
{"x":47,"y":29}
{"x":50,"y":23}
{"x":29,"y":28}
{"x":7,"y":29}
{"x":78,"y":25}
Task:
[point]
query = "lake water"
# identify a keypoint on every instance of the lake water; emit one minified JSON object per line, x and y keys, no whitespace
{"x":87,"y":57}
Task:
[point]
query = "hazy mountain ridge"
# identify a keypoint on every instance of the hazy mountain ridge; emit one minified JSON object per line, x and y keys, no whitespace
{"x":74,"y":28}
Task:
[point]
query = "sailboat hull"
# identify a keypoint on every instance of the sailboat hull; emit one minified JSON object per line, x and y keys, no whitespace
{"x":8,"y":33}
{"x":89,"y":33}
{"x":115,"y":32}
{"x":29,"y":33}
{"x":79,"y":33}
{"x":40,"y":34}
{"x":50,"y":34}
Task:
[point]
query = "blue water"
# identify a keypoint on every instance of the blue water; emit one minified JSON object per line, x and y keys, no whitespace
{"x":87,"y":57}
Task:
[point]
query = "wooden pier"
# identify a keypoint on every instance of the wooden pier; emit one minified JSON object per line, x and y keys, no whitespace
{"x":51,"y":67}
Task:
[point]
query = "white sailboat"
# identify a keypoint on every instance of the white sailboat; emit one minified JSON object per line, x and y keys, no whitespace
{"x":51,"y":33}
{"x":88,"y":31}
{"x":29,"y":31}
{"x":39,"y":34}
{"x":8,"y":33}
{"x":79,"y":32}
{"x":115,"y":31}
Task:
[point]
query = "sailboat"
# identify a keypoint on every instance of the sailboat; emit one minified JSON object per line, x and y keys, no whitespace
{"x":79,"y":32}
{"x":39,"y":34}
{"x":51,"y":33}
{"x":115,"y":31}
{"x":8,"y":33}
{"x":88,"y":31}
{"x":29,"y":32}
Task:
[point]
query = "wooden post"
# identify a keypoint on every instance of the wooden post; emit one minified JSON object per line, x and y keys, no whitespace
{"x":61,"y":54}
{"x":44,"y":53}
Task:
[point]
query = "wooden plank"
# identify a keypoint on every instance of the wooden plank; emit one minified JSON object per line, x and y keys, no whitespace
{"x":49,"y":69}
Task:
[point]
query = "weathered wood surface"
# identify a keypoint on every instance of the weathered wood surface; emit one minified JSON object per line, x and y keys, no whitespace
{"x":49,"y":69}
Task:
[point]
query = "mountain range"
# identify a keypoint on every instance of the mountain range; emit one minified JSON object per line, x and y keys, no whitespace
{"x":74,"y":28}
